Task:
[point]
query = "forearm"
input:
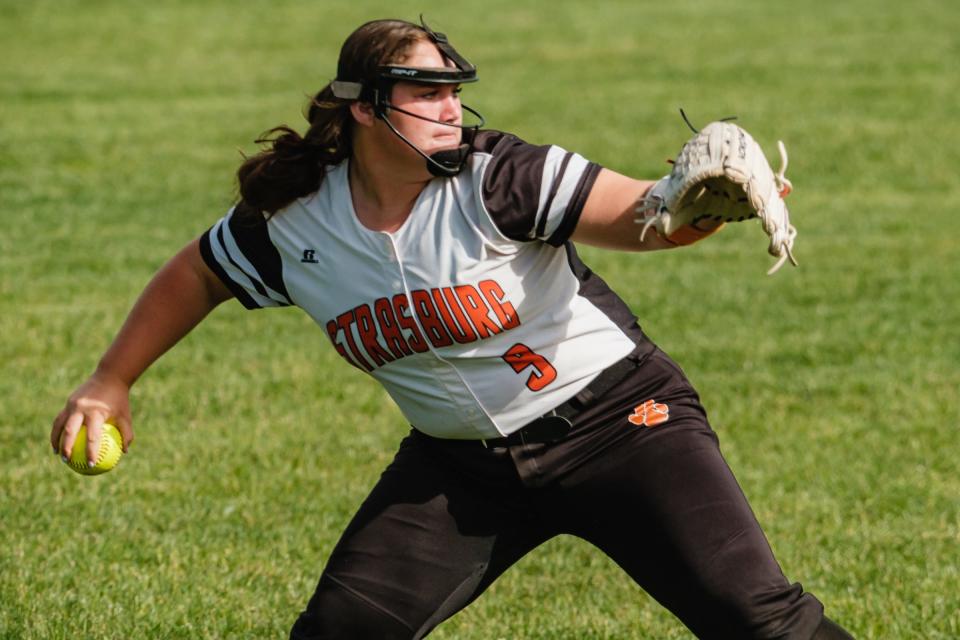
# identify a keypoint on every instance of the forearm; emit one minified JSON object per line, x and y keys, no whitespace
{"x":179,"y":296}
{"x":610,"y":217}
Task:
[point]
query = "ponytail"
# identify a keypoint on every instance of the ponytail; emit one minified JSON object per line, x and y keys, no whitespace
{"x":293,"y":166}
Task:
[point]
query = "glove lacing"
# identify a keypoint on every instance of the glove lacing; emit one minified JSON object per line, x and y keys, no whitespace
{"x":652,"y":212}
{"x":782,"y":244}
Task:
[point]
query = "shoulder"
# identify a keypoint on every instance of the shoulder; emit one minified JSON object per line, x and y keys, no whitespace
{"x":509,"y":156}
{"x":511,"y":172}
{"x":531,"y":191}
{"x":509,"y":161}
{"x":332,"y":194}
{"x":498,"y":143}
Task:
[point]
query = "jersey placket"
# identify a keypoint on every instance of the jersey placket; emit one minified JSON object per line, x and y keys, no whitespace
{"x":457,"y":389}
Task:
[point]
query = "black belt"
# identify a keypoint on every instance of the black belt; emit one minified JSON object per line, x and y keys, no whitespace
{"x":553,"y":426}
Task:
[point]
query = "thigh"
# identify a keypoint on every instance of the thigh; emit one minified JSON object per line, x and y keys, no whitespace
{"x":662,"y":502}
{"x":688,"y":536}
{"x":427,"y":540}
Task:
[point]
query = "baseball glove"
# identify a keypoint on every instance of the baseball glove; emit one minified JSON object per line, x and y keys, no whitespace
{"x":722,"y":175}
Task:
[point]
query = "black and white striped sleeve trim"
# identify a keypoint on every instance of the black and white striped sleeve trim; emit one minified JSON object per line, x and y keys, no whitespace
{"x":574,"y":207}
{"x":534,"y":192}
{"x":238,"y":249}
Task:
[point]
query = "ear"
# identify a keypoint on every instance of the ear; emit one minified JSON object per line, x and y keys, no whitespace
{"x":363,"y":113}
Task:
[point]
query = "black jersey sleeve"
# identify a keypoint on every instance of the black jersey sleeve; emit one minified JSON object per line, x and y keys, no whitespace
{"x":239,"y":251}
{"x":533,"y":192}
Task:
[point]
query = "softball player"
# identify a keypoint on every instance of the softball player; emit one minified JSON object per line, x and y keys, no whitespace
{"x":439,"y":258}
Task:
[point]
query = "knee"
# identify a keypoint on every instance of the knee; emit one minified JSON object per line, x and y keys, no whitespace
{"x":783,"y":612}
{"x":335,"y":613}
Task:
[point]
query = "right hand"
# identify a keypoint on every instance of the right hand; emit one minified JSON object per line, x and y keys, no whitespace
{"x":100,"y":399}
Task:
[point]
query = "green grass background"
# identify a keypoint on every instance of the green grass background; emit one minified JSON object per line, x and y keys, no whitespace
{"x":833,"y":386}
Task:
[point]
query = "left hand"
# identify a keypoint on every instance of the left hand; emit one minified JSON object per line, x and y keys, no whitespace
{"x":721,"y":175}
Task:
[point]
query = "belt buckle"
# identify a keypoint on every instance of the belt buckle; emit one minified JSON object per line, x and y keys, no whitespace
{"x":548,"y":428}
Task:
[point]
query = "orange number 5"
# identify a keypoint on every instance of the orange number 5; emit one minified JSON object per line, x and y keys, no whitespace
{"x":520,"y":356}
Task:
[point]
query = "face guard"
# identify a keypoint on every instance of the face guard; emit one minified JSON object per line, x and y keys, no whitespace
{"x":443,"y":164}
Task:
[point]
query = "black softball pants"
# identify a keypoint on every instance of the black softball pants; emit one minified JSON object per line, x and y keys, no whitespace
{"x":644,"y":482}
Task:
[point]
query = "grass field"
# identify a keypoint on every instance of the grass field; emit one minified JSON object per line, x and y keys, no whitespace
{"x":833,"y":386}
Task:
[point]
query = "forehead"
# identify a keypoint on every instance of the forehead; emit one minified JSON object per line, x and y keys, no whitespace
{"x":425,"y":54}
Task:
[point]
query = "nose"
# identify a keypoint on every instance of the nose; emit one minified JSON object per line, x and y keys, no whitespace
{"x":450,"y":111}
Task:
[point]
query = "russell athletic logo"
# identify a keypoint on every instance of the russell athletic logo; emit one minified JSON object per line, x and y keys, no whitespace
{"x":649,"y":414}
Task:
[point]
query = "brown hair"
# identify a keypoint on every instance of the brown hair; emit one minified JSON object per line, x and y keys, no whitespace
{"x":293,"y":166}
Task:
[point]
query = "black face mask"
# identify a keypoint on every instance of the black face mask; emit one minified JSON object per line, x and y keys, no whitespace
{"x":446,"y":163}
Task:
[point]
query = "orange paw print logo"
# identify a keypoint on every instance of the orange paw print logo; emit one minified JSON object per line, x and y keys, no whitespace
{"x":649,"y":414}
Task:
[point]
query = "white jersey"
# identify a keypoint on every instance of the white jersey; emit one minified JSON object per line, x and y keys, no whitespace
{"x":476,"y":315}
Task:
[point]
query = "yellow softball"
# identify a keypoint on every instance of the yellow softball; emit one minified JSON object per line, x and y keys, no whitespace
{"x":111,"y":448}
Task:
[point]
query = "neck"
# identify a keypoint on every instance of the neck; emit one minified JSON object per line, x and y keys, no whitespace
{"x":384,"y":187}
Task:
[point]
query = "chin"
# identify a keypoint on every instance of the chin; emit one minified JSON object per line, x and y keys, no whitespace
{"x":447,"y":146}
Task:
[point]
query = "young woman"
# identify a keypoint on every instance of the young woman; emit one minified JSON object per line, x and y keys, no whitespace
{"x":439,"y":258}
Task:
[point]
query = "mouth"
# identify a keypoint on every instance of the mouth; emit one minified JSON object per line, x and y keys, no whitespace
{"x":446,"y":140}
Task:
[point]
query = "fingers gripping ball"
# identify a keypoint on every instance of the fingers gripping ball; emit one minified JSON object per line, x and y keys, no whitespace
{"x":108,"y":455}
